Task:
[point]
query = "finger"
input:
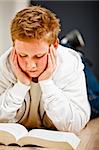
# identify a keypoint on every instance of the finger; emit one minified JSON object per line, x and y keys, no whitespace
{"x":12,"y":54}
{"x":16,"y":61}
{"x":10,"y":58}
{"x":53,"y":55}
{"x":53,"y":50}
{"x":49,"y":66}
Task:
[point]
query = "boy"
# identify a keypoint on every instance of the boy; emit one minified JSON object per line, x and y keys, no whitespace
{"x":42,"y":84}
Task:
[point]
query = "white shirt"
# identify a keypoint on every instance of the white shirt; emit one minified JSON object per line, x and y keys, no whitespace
{"x":64,"y":96}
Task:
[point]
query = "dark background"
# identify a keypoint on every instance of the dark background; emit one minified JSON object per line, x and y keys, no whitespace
{"x":81,"y":15}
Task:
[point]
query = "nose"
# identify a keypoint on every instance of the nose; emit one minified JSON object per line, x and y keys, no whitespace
{"x":31,"y":65}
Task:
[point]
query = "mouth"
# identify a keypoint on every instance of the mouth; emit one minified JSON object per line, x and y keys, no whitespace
{"x":32,"y":73}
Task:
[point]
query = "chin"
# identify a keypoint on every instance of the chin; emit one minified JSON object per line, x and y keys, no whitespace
{"x":33,"y":75}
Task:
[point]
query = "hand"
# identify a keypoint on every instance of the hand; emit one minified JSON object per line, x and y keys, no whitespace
{"x":51,"y":65}
{"x":19,"y":73}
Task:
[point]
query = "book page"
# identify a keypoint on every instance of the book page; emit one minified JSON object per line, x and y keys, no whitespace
{"x":58,"y":136}
{"x":17,"y":130}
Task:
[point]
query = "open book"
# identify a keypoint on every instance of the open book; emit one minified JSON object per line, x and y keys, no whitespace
{"x":13,"y":133}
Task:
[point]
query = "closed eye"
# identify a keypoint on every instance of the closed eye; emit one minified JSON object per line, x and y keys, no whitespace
{"x":22,"y":55}
{"x":39,"y":56}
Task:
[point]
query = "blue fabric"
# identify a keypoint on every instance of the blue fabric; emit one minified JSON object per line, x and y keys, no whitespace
{"x":92,"y":85}
{"x":92,"y":89}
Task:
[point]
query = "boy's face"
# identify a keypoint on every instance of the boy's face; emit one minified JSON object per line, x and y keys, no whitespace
{"x":32,"y":56}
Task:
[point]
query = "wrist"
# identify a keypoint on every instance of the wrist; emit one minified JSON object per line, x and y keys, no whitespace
{"x":27,"y":83}
{"x":19,"y":90}
{"x":46,"y":82}
{"x":45,"y":79}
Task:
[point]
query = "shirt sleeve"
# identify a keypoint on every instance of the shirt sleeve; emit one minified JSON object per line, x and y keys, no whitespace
{"x":66,"y":103}
{"x":11,"y":100}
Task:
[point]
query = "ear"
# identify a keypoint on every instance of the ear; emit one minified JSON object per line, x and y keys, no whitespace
{"x":56,"y":43}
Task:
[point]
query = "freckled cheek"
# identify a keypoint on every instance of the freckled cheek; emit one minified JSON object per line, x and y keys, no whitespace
{"x":22,"y":62}
{"x":42,"y":62}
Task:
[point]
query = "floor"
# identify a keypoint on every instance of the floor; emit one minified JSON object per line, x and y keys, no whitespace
{"x":90,"y":136}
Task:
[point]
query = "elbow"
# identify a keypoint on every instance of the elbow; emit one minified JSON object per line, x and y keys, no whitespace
{"x":76,"y":123}
{"x":79,"y":122}
{"x":79,"y":119}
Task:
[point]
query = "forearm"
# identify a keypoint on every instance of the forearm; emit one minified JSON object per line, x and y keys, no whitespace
{"x":11,"y":100}
{"x":62,"y":109}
